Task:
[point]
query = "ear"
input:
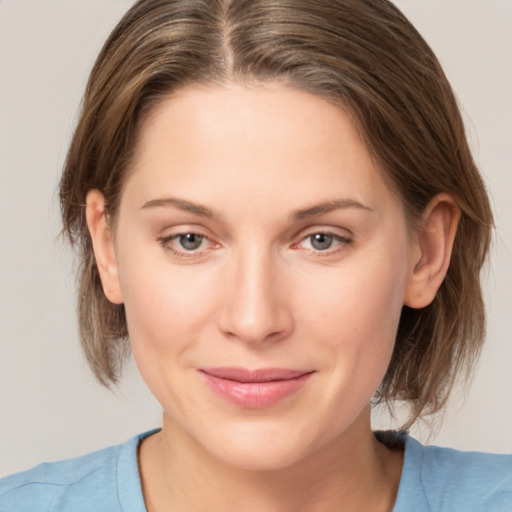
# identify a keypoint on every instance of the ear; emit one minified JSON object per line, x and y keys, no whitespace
{"x":103,"y":245}
{"x":432,"y":251}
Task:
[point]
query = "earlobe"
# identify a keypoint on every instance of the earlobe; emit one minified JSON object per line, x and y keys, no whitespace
{"x":103,"y":245}
{"x":430,"y":257}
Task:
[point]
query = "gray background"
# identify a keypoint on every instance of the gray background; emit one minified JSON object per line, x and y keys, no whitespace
{"x":50,"y":405}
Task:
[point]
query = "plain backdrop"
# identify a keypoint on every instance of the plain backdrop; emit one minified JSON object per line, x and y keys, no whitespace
{"x":50,"y":405}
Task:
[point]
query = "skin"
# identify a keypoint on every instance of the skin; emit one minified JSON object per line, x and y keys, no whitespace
{"x":245,"y":168}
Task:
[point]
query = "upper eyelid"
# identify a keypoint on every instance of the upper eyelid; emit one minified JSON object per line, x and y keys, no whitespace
{"x":327,"y":232}
{"x":338,"y":232}
{"x":175,"y":231}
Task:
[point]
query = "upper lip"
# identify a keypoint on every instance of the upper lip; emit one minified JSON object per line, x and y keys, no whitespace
{"x":256,"y":375}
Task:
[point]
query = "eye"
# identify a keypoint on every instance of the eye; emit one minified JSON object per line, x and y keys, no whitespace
{"x":187,"y":244}
{"x":321,"y":241}
{"x":190,"y":241}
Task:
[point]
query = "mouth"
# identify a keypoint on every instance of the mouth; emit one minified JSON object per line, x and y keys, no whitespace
{"x":255,"y":389}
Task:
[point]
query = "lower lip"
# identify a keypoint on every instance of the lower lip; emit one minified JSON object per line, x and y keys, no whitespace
{"x":255,"y":395}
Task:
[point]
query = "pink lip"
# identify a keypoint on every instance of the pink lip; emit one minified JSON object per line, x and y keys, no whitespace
{"x":255,"y":389}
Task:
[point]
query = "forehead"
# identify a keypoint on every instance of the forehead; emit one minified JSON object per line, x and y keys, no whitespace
{"x":270,"y":113}
{"x":260,"y":142}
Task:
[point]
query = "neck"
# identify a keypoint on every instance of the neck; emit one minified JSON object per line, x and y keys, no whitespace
{"x":353,"y":472}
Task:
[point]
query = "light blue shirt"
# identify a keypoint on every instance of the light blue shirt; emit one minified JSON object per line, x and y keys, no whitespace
{"x":433,"y":480}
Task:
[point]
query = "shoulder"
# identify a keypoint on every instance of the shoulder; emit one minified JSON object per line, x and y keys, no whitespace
{"x":479,"y":480}
{"x":448,"y":479}
{"x":90,"y":478}
{"x":97,"y":481}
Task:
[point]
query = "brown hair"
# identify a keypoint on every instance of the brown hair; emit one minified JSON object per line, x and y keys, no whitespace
{"x":361,"y":54}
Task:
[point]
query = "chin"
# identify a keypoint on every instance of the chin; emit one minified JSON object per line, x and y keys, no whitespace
{"x":254,"y":457}
{"x":258,"y":447}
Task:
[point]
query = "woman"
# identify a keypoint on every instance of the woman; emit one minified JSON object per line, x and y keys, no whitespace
{"x":275,"y":202}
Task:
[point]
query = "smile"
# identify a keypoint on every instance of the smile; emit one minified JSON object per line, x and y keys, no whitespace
{"x":255,"y":389}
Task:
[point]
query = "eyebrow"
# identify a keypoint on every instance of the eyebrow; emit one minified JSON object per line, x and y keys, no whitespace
{"x":181,"y":204}
{"x":203,"y":211}
{"x":327,"y":207}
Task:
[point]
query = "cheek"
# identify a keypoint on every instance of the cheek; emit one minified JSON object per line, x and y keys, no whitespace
{"x":356,"y":302}
{"x":166,"y":305}
{"x":167,"y":313}
{"x":162,"y":304}
{"x":353,"y":314}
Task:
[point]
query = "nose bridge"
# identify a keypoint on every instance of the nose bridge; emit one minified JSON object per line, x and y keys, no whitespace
{"x":255,"y":308}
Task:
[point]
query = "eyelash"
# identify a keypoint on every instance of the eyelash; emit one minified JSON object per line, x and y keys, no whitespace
{"x":165,"y":242}
{"x":340,"y":243}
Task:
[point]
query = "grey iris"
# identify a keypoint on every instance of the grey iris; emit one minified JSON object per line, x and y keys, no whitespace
{"x":321,"y":241}
{"x":190,"y":241}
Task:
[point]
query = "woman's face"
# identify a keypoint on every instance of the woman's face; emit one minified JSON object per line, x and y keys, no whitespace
{"x":263,"y":265}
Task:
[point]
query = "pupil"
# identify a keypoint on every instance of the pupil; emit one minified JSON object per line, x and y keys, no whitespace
{"x":321,"y":241}
{"x":190,"y":241}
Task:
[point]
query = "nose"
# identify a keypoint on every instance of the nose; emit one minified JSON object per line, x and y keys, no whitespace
{"x":256,"y":302}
